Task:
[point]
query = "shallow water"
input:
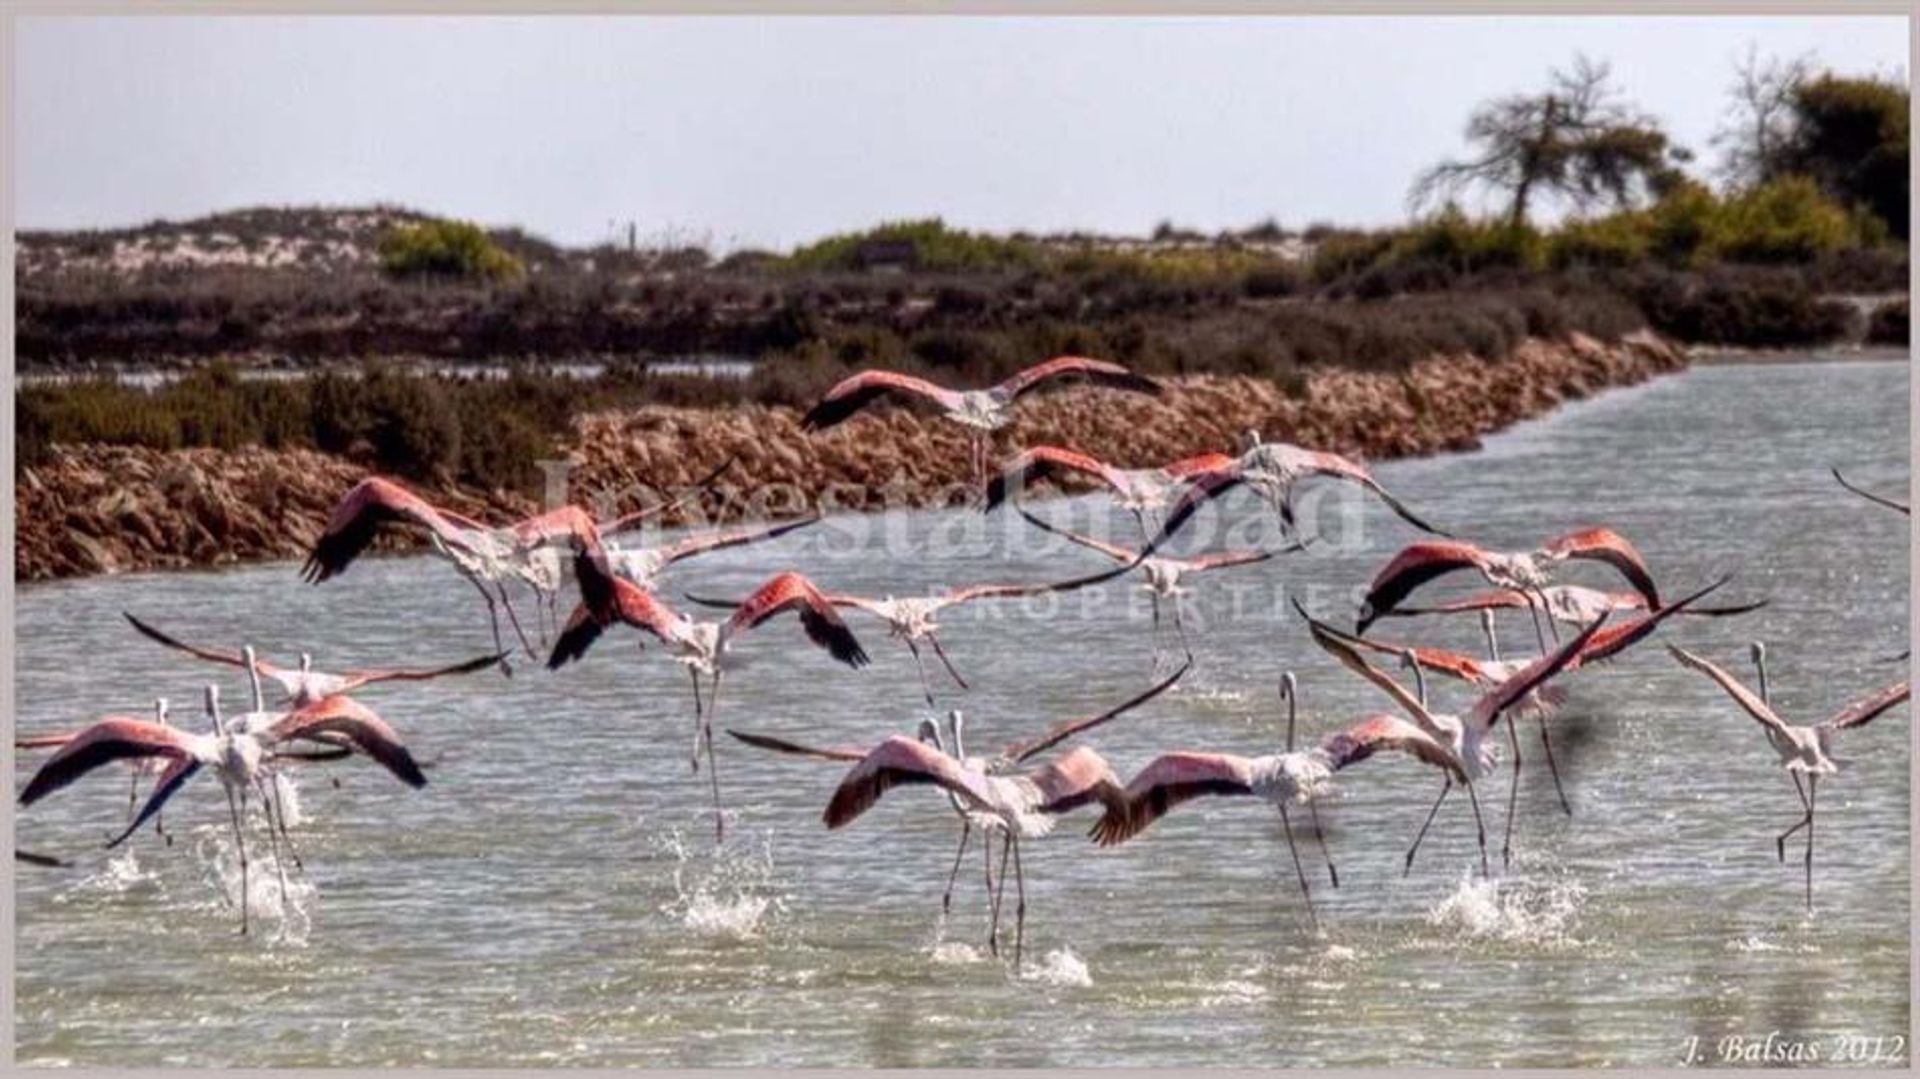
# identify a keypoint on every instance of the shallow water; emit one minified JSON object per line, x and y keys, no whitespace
{"x":555,"y":895}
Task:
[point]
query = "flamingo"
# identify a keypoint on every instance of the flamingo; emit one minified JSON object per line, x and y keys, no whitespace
{"x":1871,"y":497}
{"x":1543,"y":700}
{"x":700,"y":646}
{"x":643,"y":565}
{"x":1803,"y":749}
{"x":304,"y":685}
{"x":980,"y":411}
{"x":1006,"y":762}
{"x":483,"y":554}
{"x":242,"y":758}
{"x":1570,"y":604}
{"x":911,"y":618}
{"x":1164,"y":573}
{"x":136,"y":767}
{"x":1466,"y":737}
{"x":1139,"y":491}
{"x":45,"y":861}
{"x":1272,"y":470}
{"x":1524,"y":571}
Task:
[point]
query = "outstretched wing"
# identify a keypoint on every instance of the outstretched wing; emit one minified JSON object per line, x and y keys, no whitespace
{"x":353,"y":680}
{"x":1871,"y":497}
{"x":1202,"y":487}
{"x":1077,"y":778}
{"x":1529,"y":678}
{"x":629,"y":521}
{"x":1345,"y":648}
{"x":896,"y":761}
{"x":1098,"y":372}
{"x":1391,"y":733}
{"x":1332,"y":464}
{"x":112,"y":739}
{"x":790,"y":591}
{"x":1118,"y":554}
{"x":781,"y":745}
{"x":178,"y":771}
{"x":211,"y":655}
{"x":1167,"y":781}
{"x":851,"y":395}
{"x":345,"y":716}
{"x":1496,"y":599}
{"x":1060,"y":732}
{"x":1415,"y":565}
{"x":1613,"y":640}
{"x":1200,"y":462}
{"x":1226,"y":559}
{"x":720,"y":539}
{"x":1044,"y":463}
{"x":373,"y":503}
{"x":631,"y":604}
{"x":1741,"y":695}
{"x":1606,"y":545}
{"x":1860,"y":713}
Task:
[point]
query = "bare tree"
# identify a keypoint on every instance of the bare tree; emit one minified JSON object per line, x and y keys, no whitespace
{"x":1760,"y":119}
{"x":1576,"y":140}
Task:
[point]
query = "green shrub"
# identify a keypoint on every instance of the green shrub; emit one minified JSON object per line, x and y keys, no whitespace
{"x":446,"y":249}
{"x":1684,"y":226}
{"x":1617,"y":240}
{"x":935,"y":247}
{"x":1457,"y":242}
{"x":1787,"y":220}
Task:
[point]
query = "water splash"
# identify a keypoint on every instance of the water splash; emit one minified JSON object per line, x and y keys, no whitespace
{"x":1520,"y":910}
{"x":1060,"y":968}
{"x":118,"y":875}
{"x":286,"y":795}
{"x":278,"y":894}
{"x":730,"y":895}
{"x":954,"y":953}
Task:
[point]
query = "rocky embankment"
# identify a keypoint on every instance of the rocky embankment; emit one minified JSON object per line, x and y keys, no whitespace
{"x":100,"y":509}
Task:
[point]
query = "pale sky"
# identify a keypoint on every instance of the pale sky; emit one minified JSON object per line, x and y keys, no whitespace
{"x":764,"y":131}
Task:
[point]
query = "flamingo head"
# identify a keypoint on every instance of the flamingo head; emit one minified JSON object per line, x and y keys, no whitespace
{"x":306,"y":663}
{"x":160,"y":710}
{"x":929,"y":732}
{"x":213,"y":708}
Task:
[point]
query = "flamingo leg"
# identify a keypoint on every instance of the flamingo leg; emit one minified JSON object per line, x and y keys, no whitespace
{"x":493,"y":618}
{"x":1513,"y":797}
{"x":1320,"y":837}
{"x":1546,"y":744}
{"x":507,"y":602}
{"x":999,"y":897}
{"x":1180,"y":624}
{"x":279,"y":817}
{"x":1539,"y":635}
{"x":920,"y":665}
{"x":993,"y":902}
{"x":133,"y":794}
{"x":966,"y":833}
{"x":713,"y":772}
{"x":240,"y":843}
{"x":1417,"y":840}
{"x":1546,"y":611}
{"x":1306,"y":891}
{"x":1020,"y":896}
{"x":947,"y":663}
{"x":1780,"y":844}
{"x":1480,"y":827}
{"x":1813,"y":794}
{"x":273,"y":846}
{"x":1155,"y":598}
{"x":699,"y":714}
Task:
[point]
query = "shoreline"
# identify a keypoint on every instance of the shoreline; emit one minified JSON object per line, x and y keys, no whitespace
{"x":95,"y":509}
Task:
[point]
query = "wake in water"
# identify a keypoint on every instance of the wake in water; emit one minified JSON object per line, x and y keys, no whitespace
{"x":731,"y":895}
{"x":1519,"y":910}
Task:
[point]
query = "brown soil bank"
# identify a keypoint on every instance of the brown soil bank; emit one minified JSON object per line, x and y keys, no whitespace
{"x":100,"y":509}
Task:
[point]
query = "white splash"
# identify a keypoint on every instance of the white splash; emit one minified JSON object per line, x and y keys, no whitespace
{"x":1060,"y":968}
{"x":118,"y":875}
{"x":1513,"y":909}
{"x":954,"y":953}
{"x":729,"y":896}
{"x":278,"y":894}
{"x":286,"y":796}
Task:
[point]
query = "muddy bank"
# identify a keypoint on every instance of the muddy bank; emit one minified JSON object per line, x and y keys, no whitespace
{"x":99,"y":509}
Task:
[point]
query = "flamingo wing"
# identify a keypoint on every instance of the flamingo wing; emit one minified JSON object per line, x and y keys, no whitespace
{"x":781,"y":745}
{"x":1167,"y":781}
{"x":371,"y":504}
{"x":1045,"y":463}
{"x":901,"y":760}
{"x":703,"y":542}
{"x":790,"y":591}
{"x":631,"y":604}
{"x":1494,"y":600}
{"x":1613,"y":640}
{"x":353,"y":680}
{"x":1871,"y":497}
{"x":344,"y":716}
{"x":1198,"y":463}
{"x":1332,"y":464}
{"x":1741,"y":695}
{"x":1060,"y":732}
{"x":1415,"y":565}
{"x":1077,"y":778}
{"x":1529,"y":678}
{"x":1860,"y":713}
{"x":1391,"y":733}
{"x":1118,"y":554}
{"x":1606,"y":545}
{"x":1098,"y":372}
{"x":1226,"y":559}
{"x":570,"y":523}
{"x":1346,"y":649}
{"x":1202,"y":487}
{"x":45,"y":861}
{"x":627,"y":522}
{"x":178,"y":771}
{"x":852,"y":394}
{"x":111,"y":739}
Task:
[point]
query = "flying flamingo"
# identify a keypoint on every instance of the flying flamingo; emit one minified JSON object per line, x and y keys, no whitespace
{"x":1139,"y":491}
{"x":1006,"y":762}
{"x":1272,"y":470}
{"x":484,"y":555}
{"x":1467,"y":737}
{"x":136,"y":767}
{"x":1542,"y":701}
{"x":1567,"y":603}
{"x":1164,"y":573}
{"x":911,"y":618}
{"x":980,"y":411}
{"x":1525,"y":571}
{"x":1803,"y":749}
{"x":643,"y":565}
{"x":1871,"y":497}
{"x":242,"y":759}
{"x":304,"y":685}
{"x":700,"y":646}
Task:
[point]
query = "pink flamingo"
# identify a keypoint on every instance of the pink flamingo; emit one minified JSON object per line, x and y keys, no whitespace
{"x":1139,"y":491}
